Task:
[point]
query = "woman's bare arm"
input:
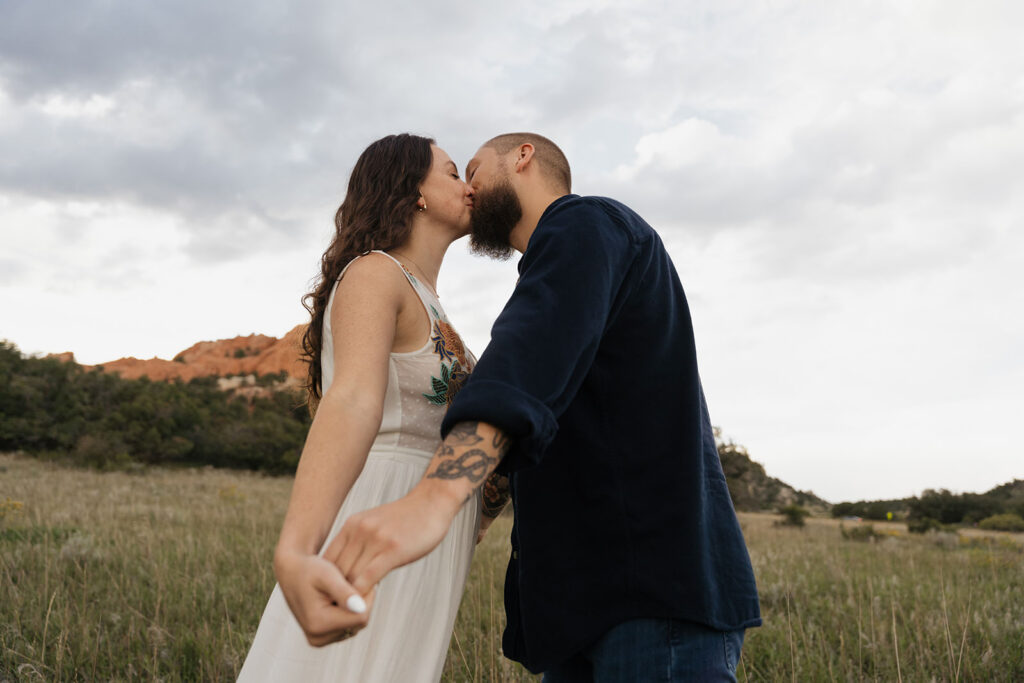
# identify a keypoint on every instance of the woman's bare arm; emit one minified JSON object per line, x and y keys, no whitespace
{"x":364,"y":315}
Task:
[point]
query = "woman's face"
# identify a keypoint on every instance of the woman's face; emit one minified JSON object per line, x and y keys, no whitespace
{"x":446,"y":195}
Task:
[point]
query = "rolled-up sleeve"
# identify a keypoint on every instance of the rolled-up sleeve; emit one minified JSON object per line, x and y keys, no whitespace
{"x":545,"y":339}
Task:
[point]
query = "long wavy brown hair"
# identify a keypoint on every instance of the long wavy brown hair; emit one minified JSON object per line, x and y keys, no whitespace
{"x":376,"y":214}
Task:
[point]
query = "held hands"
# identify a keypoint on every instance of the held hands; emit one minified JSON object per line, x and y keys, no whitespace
{"x":330,"y":607}
{"x":372,"y":543}
{"x":326,"y":606}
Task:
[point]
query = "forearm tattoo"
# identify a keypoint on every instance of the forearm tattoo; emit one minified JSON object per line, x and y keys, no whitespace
{"x":464,"y":434}
{"x":464,"y":454}
{"x":501,"y":442}
{"x":473,"y":464}
{"x":495,"y":495}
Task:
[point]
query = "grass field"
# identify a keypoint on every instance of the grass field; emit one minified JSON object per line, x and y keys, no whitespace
{"x":162,"y":575}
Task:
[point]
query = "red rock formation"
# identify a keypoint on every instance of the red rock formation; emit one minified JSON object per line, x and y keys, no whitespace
{"x":255,"y":354}
{"x":283,"y":354}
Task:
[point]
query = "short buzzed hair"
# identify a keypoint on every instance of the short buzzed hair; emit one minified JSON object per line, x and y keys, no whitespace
{"x":553,"y":164}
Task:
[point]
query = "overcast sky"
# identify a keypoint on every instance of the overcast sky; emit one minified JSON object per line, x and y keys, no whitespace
{"x":841,"y":187}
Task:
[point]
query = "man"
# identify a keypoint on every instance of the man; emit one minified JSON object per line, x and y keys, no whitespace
{"x":627,"y":561}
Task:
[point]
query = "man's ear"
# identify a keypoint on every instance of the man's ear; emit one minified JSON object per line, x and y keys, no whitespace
{"x":523,"y":157}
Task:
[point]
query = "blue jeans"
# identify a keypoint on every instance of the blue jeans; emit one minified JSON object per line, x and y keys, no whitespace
{"x":645,"y":650}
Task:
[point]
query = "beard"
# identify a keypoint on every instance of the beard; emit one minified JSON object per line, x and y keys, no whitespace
{"x":495,"y":214}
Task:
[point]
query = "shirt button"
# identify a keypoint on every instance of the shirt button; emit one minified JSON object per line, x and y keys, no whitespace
{"x":515,"y":555}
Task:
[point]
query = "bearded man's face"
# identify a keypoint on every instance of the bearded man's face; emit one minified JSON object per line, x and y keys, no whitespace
{"x":496,"y":211}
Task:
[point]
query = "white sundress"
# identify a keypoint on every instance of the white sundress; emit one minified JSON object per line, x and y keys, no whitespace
{"x":415,"y":607}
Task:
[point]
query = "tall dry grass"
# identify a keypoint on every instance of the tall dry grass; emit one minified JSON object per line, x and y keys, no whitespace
{"x":888,"y":607}
{"x":162,"y":575}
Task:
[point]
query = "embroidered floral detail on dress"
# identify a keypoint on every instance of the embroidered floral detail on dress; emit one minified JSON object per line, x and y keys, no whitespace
{"x":455,"y":367}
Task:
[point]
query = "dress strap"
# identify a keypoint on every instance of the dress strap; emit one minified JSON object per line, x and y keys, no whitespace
{"x":410,"y":276}
{"x":343,"y":270}
{"x":427,"y":298}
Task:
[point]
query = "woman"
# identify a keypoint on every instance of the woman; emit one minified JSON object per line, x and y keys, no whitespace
{"x":384,"y":363}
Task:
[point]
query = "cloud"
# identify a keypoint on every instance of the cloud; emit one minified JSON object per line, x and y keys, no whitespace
{"x":11,"y":270}
{"x":843,"y":171}
{"x":230,"y":114}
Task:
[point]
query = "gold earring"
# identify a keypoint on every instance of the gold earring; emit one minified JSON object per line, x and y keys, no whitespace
{"x":422,"y":207}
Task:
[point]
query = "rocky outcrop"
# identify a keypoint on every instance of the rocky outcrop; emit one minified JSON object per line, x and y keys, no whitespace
{"x":255,"y":354}
{"x":752,"y":489}
{"x":283,"y":355}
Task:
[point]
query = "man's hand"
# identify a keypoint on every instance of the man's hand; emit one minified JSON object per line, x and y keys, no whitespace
{"x":320,"y":598}
{"x":372,"y":543}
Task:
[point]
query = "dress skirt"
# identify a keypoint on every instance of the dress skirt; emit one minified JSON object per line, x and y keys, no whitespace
{"x":414,"y":609}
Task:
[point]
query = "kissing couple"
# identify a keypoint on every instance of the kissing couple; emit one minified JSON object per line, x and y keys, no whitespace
{"x":626,"y":563}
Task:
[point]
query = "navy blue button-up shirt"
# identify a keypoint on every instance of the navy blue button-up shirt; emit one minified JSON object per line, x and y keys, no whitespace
{"x":621,"y":507}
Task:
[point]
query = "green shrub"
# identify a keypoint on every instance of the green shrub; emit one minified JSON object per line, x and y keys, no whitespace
{"x":102,"y":451}
{"x":270,"y":379}
{"x":1004,"y":522}
{"x":793,"y":515}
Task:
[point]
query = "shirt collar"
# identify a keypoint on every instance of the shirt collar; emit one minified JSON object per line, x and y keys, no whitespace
{"x":561,"y":200}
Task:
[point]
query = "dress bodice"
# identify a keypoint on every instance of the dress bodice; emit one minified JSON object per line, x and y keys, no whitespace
{"x":421,"y":383}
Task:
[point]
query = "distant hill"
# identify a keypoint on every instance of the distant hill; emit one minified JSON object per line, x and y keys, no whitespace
{"x":752,"y":489}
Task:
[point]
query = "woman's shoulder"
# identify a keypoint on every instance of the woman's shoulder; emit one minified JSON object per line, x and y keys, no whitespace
{"x":371,"y":285}
{"x":373,"y":271}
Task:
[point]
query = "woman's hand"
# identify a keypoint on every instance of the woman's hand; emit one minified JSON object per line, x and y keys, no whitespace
{"x":325,"y":605}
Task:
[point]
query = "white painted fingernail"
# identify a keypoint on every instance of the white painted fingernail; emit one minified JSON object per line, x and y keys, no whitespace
{"x":355,"y":604}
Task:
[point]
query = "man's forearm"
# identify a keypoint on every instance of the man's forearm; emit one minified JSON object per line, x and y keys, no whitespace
{"x":466,"y":459}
